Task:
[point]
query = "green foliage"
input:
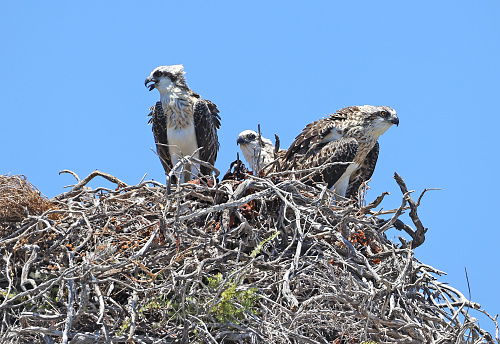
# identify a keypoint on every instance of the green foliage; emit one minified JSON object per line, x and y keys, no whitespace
{"x":213,"y":283}
{"x":12,"y":293}
{"x":259,"y":247}
{"x":233,"y":303}
{"x":159,"y":302}
{"x":124,"y":327}
{"x":231,"y":307}
{"x":29,"y":304}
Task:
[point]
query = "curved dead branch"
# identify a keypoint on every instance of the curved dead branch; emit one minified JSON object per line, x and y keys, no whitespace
{"x":261,"y":260}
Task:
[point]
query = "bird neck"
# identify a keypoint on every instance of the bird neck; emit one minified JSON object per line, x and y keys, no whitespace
{"x":177,"y":105}
{"x":266,"y":156}
{"x":268,"y":151}
{"x":379,"y":130}
{"x":362,"y":133}
{"x":171,"y":92}
{"x":366,"y":138}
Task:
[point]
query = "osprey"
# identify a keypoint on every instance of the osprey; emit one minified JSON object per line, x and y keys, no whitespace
{"x":348,"y":136}
{"x":182,"y":122}
{"x":257,"y":150}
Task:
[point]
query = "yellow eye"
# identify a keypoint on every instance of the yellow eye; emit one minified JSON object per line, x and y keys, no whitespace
{"x":384,"y":113}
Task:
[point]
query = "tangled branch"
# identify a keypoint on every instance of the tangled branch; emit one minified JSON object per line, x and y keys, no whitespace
{"x":259,"y":260}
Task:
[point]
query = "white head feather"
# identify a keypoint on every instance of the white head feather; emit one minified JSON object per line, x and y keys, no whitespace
{"x":252,"y":147}
{"x":166,"y":78}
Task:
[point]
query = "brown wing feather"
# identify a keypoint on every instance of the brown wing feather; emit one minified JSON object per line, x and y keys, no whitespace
{"x":364,"y":172}
{"x":341,"y":150}
{"x":159,"y":122}
{"x":206,"y":123}
{"x":316,"y":131}
{"x":311,"y":134}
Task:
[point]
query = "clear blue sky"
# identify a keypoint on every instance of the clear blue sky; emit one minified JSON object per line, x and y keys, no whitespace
{"x":72,"y":96}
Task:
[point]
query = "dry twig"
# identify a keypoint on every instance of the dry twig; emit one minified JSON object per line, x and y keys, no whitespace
{"x":264,"y":260}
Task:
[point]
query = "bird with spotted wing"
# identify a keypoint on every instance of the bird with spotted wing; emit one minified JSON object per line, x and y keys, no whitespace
{"x":344,"y":144}
{"x":182,"y":122}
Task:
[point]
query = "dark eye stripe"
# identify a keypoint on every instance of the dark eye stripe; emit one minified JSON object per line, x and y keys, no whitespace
{"x":169,"y":75}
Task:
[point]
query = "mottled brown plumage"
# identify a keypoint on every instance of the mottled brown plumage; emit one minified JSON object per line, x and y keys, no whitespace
{"x":348,"y":136}
{"x":182,"y":121}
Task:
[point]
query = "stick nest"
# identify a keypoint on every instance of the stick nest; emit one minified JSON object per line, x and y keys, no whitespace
{"x":18,"y":198}
{"x":247,"y":260}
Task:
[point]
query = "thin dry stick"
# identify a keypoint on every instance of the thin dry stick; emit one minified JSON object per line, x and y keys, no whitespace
{"x":204,"y":263}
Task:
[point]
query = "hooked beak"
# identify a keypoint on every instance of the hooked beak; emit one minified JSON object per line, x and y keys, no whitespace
{"x":395,"y":120}
{"x":148,"y":80}
{"x":241,"y":140}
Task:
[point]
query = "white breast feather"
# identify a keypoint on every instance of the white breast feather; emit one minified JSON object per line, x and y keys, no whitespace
{"x":181,"y":134}
{"x":182,"y":141}
{"x":250,"y":153}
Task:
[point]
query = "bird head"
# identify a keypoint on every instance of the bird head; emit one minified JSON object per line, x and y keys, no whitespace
{"x":251,"y":138}
{"x":250,"y":144}
{"x":378,"y":118}
{"x":247,"y":137}
{"x":164,"y":77}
